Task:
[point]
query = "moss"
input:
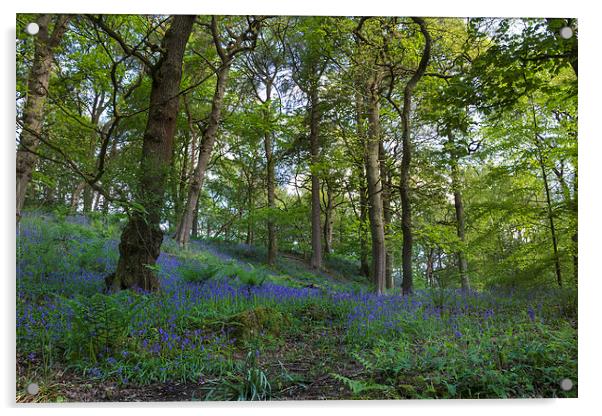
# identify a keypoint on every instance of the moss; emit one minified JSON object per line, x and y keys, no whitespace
{"x":315,"y":312}
{"x":256,"y":321}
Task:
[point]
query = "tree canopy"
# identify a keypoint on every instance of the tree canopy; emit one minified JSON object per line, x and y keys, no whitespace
{"x":439,"y":148}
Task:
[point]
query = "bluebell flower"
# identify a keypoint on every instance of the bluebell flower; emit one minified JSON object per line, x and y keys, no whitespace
{"x":531,"y":314}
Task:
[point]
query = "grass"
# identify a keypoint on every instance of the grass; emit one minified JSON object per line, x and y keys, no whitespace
{"x":231,"y":328}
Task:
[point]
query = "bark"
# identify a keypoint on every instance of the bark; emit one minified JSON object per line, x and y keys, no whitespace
{"x":375,"y":210}
{"x":544,"y":174}
{"x":105,"y":204}
{"x":404,"y":188}
{"x":271,"y":183}
{"x":88,"y":199}
{"x":105,"y":201}
{"x":96,"y":201}
{"x":226,"y":54}
{"x":460,"y":228}
{"x":575,"y":237}
{"x":33,"y":112}
{"x":142,"y":237}
{"x":250,"y":208}
{"x":195,"y":220}
{"x":430,"y":260}
{"x":98,"y":107}
{"x":49,"y":196}
{"x":359,"y":114}
{"x":314,"y":126}
{"x":551,"y":219}
{"x":364,"y":266}
{"x":187,"y":168}
{"x":328,"y":220}
{"x":75,"y":197}
{"x":572,"y":204}
{"x":250,"y":234}
{"x":206,"y":147}
{"x":385,"y":178}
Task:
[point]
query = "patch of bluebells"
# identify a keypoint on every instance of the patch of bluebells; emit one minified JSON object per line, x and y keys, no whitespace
{"x":43,"y":319}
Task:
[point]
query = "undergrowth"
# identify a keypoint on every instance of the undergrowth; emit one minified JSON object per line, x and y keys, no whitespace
{"x":433,"y":344}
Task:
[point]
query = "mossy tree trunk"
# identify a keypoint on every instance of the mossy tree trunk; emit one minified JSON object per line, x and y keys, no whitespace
{"x":142,"y":237}
{"x":33,"y":113}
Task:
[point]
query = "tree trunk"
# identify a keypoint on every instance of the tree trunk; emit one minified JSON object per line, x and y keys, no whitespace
{"x":430,"y":259}
{"x":375,"y":211}
{"x":105,"y":203}
{"x":142,"y":237}
{"x":185,"y":225}
{"x":271,"y":182}
{"x":364,"y":266}
{"x":546,"y":185}
{"x":404,"y":188}
{"x":195,"y":220}
{"x":551,"y":219}
{"x":575,"y":237}
{"x":96,"y":201}
{"x":250,"y":235}
{"x":460,"y":228}
{"x":250,"y":208}
{"x":385,"y":179}
{"x":361,"y":170}
{"x":571,"y":202}
{"x":187,"y":168}
{"x":49,"y":196}
{"x":328,"y":220}
{"x":33,"y":112}
{"x":88,"y":199}
{"x":75,"y":197}
{"x":314,"y":138}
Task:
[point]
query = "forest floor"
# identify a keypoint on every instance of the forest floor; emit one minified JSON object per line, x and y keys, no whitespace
{"x":225,"y":326}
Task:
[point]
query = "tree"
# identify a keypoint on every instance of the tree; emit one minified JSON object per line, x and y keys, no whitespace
{"x":141,"y":239}
{"x":46,"y":41}
{"x":342,"y":141}
{"x":264,"y":66}
{"x":227,"y":50}
{"x":372,"y":87}
{"x":404,"y":185}
{"x":308,"y":61}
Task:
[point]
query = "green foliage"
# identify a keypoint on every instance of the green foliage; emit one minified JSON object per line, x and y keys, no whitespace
{"x":54,"y":248}
{"x":504,"y":361}
{"x":101,"y":323}
{"x":256,"y":322}
{"x":358,"y":387}
{"x":497,"y":114}
{"x":247,"y":382}
{"x":439,"y":296}
{"x":442,"y":344}
{"x":196,"y":273}
{"x":250,"y":277}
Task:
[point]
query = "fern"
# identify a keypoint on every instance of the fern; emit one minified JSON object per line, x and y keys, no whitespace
{"x":358,"y":386}
{"x":368,"y":365}
{"x":100,"y":323}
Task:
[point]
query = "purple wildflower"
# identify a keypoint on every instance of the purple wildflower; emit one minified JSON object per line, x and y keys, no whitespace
{"x":531,"y":314}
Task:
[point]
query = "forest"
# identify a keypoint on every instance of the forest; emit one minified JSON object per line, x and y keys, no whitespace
{"x":295,"y":207}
